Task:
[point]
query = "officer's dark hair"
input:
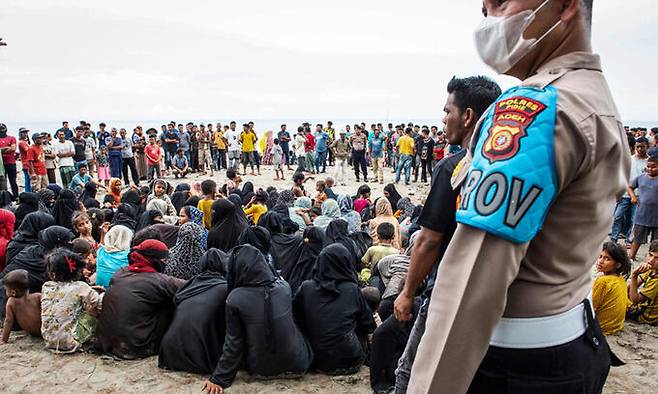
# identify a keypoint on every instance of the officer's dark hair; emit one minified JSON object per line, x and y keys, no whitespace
{"x":476,"y":93}
{"x":618,"y":254}
{"x":587,"y":7}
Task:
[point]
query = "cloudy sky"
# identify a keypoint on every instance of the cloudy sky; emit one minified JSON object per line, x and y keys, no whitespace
{"x":204,"y":59}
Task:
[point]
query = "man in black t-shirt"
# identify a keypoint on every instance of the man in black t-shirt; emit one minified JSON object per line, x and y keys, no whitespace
{"x":284,"y":141}
{"x":468,"y":99}
{"x":80,"y":144}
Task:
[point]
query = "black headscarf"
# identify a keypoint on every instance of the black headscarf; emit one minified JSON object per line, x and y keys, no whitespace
{"x":337,"y":232}
{"x":27,"y":203}
{"x":126,"y":215}
{"x":5,"y":199}
{"x":168,"y":233}
{"x":273,"y":197}
{"x":181,"y":194}
{"x":55,"y":188}
{"x":214,"y":260}
{"x":193,"y":201}
{"x":214,"y":266}
{"x":237,"y":200}
{"x":257,"y":237}
{"x":28,"y":232}
{"x":228,"y":222}
{"x":247,"y":192}
{"x":302,"y":270}
{"x":88,"y":196}
{"x":148,"y":218}
{"x":393,"y":195}
{"x":64,"y":207}
{"x":285,"y":247}
{"x":333,"y":266}
{"x":46,"y":200}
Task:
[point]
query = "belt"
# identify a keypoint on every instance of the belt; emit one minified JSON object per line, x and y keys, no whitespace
{"x":541,"y":332}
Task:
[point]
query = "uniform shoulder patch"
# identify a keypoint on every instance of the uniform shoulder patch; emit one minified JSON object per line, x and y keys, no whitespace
{"x":511,"y":182}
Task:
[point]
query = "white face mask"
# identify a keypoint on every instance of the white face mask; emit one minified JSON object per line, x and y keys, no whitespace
{"x":499,"y":39}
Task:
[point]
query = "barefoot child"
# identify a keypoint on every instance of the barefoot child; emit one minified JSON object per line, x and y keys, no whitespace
{"x":68,"y":305}
{"x":321,"y":196}
{"x":609,"y":291}
{"x":103,"y":166}
{"x":22,"y":307}
{"x":643,"y":289}
{"x":277,"y":159}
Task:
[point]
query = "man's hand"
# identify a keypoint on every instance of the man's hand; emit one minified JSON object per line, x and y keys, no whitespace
{"x":403,"y":306}
{"x":212,"y":388}
{"x":634,"y":200}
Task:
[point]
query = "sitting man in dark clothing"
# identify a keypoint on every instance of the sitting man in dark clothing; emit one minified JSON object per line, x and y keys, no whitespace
{"x":261,"y":335}
{"x":333,"y":314}
{"x":139,"y":304}
{"x":194,"y":340}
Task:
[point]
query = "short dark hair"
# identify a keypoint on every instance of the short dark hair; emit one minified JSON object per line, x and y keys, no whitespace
{"x":642,"y":140}
{"x":385,"y":231}
{"x":372,"y":296}
{"x":653,"y":246}
{"x":230,"y":173}
{"x":619,"y":255}
{"x":652,"y":159}
{"x":208,"y":186}
{"x":476,"y":93}
{"x":18,"y":280}
{"x":298,"y":176}
{"x":363,"y":189}
{"x":262,"y":196}
{"x":588,"y":4}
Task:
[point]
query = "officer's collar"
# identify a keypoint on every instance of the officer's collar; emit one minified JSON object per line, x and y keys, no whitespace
{"x":572,"y":61}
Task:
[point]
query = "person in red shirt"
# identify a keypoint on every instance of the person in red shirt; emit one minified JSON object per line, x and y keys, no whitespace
{"x":8,"y":150}
{"x":23,"y":146}
{"x":309,"y":148}
{"x":152,"y":153}
{"x":36,"y":161}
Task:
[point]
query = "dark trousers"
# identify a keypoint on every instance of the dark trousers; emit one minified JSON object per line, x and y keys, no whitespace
{"x":221,"y":159}
{"x":426,"y":165}
{"x":194,"y":160}
{"x":359,"y":162}
{"x":129,"y":163}
{"x":10,"y":173}
{"x":579,"y":366}
{"x":286,"y":157}
{"x":52,"y":177}
{"x":153,"y":172}
{"x":115,"y":166}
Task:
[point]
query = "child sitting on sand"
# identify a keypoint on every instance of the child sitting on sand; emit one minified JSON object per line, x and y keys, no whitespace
{"x":643,"y":289}
{"x":386,"y":233}
{"x":609,"y":291}
{"x":209,"y":189}
{"x":68,"y":305}
{"x":22,"y":307}
{"x":257,"y":206}
{"x":321,"y":196}
{"x":363,"y":198}
{"x":329,"y":183}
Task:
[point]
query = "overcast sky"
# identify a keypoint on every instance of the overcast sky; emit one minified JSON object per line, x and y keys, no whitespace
{"x":204,"y":59}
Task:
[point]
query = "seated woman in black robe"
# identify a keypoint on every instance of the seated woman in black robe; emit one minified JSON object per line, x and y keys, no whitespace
{"x":28,"y":233}
{"x":139,"y":304}
{"x":333,"y":314}
{"x":285,"y":247}
{"x":261,"y":335}
{"x":194,"y":340}
{"x":302,"y":269}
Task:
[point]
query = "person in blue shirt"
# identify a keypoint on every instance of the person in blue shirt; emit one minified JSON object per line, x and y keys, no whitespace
{"x":80,"y":179}
{"x":321,"y":147}
{"x":68,"y":133}
{"x":115,"y":146}
{"x":376,"y":146}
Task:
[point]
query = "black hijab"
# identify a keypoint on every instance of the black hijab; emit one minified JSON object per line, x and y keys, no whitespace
{"x":5,"y":199}
{"x":237,"y":200}
{"x":285,"y":248}
{"x":181,"y":194}
{"x":148,"y":219}
{"x":27,"y":203}
{"x":214,"y":265}
{"x":126,"y":215}
{"x":337,"y":232}
{"x":257,"y":237}
{"x":193,"y":201}
{"x":247,"y":192}
{"x":46,"y":200}
{"x":228,"y":222}
{"x":302,"y":270}
{"x":333,"y":266}
{"x":64,"y":207}
{"x":28,"y":232}
{"x":88,"y":196}
{"x":393,"y":195}
{"x":273,"y":197}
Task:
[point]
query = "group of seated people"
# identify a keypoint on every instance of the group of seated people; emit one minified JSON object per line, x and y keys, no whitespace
{"x":211,"y":281}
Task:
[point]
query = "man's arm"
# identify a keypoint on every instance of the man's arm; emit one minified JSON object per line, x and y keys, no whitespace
{"x":423,"y":257}
{"x":631,"y":193}
{"x":468,"y":300}
{"x":635,"y":282}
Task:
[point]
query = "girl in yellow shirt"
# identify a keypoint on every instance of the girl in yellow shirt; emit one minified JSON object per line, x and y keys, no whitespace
{"x":609,"y":294}
{"x":256,"y":206}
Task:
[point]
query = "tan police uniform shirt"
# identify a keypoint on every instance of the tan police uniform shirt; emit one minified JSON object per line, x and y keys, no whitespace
{"x":483,"y":277}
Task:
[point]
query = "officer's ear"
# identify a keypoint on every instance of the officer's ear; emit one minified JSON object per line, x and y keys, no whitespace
{"x":469,"y":118}
{"x":570,"y":9}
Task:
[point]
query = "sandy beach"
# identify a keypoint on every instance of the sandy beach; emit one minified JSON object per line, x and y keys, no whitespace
{"x":29,"y":368}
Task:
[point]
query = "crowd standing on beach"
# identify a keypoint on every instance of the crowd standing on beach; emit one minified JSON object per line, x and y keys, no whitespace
{"x":216,"y":278}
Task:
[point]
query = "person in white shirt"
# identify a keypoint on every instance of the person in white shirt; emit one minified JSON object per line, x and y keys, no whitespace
{"x":233,"y":138}
{"x":64,"y":150}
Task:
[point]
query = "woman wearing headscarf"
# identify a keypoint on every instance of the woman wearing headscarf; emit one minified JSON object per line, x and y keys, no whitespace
{"x":28,"y":232}
{"x":139,"y":304}
{"x":237,"y":201}
{"x":272,"y":198}
{"x":181,"y":194}
{"x":384,"y":214}
{"x":261,"y":334}
{"x":168,"y":233}
{"x":284,"y":202}
{"x":7,"y":220}
{"x":149,"y":218}
{"x":333,"y":314}
{"x":299,"y":212}
{"x":391,"y":193}
{"x":194,"y":340}
{"x":228,"y":222}
{"x":330,"y":211}
{"x":193,"y":201}
{"x":337,"y":232}
{"x":194,"y":215}
{"x":27,"y":203}
{"x":112,"y":253}
{"x":183,"y":262}
{"x":302,"y":269}
{"x":6,"y":199}
{"x":64,"y":207}
{"x":88,"y":196}
{"x":285,"y":247}
{"x":55,"y":189}
{"x":247,"y":192}
{"x":196,"y":189}
{"x":125,"y":216}
{"x":46,"y":200}
{"x":405,"y":209}
{"x":348,"y":213}
{"x":258,"y":237}
{"x":114,"y":191}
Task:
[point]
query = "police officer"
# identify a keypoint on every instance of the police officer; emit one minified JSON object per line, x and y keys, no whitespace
{"x":510,"y":309}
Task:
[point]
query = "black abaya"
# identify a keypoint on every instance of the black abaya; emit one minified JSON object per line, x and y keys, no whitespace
{"x":302,"y":269}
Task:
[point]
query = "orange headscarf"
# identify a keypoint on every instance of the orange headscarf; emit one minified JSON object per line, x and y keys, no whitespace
{"x":115,"y":196}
